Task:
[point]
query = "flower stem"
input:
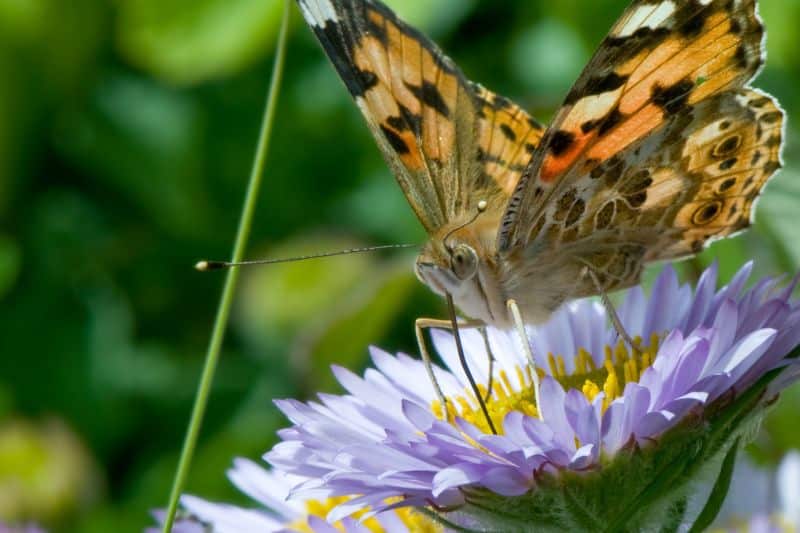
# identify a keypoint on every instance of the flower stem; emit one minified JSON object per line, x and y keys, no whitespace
{"x":223,"y":311}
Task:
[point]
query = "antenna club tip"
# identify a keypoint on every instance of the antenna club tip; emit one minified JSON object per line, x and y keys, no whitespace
{"x":208,"y":266}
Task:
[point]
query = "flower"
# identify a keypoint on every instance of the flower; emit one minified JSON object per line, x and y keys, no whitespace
{"x":771,"y":516}
{"x":645,"y":421}
{"x":270,"y":489}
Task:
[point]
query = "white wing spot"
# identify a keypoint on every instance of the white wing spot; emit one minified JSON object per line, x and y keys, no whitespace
{"x":318,"y":12}
{"x":594,"y":107}
{"x":662,"y":13}
{"x":647,"y":16}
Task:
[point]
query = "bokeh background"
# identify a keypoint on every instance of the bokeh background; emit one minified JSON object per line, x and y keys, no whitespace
{"x":127,"y":130}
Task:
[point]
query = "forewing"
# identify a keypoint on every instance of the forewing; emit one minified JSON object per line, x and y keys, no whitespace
{"x":661,"y":58}
{"x":507,"y":139}
{"x":448,"y":142}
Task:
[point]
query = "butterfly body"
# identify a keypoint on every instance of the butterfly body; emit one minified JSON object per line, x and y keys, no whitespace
{"x":464,"y":262}
{"x":660,"y":148}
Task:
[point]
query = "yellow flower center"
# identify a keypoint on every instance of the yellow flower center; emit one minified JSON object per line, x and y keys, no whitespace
{"x":621,"y":365}
{"x":415,"y":520}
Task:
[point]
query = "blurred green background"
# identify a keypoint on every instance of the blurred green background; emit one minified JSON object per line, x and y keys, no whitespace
{"x":127,"y":130}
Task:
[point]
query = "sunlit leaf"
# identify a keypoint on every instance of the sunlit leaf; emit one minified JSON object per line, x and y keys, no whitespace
{"x":277,"y":301}
{"x":359,"y":322}
{"x":186,"y":41}
{"x":57,"y":40}
{"x":434,"y":17}
{"x":45,"y":471}
{"x":548,"y":57}
{"x":781,"y":20}
{"x":779,"y":207}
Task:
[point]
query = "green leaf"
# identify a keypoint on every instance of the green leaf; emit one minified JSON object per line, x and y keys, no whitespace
{"x":433,"y":17}
{"x":718,"y":492}
{"x":667,"y":478}
{"x":281,"y":300}
{"x":10,"y":260}
{"x":136,"y":134}
{"x":780,"y":18}
{"x":778,"y":208}
{"x":188,"y":41}
{"x":676,"y":515}
{"x":59,"y":40}
{"x":359,"y":322}
{"x":548,"y":57}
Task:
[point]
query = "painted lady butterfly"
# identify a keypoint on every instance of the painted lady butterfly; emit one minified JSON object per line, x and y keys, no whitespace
{"x":659,"y":148}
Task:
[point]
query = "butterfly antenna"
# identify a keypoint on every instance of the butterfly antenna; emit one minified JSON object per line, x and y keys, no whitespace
{"x":482,"y":205}
{"x":209,"y":266}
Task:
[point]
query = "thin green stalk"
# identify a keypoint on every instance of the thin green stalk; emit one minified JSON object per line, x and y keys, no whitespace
{"x":223,"y":311}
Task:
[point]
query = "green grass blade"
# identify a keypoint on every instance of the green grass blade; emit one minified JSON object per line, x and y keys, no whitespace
{"x":245,"y":223}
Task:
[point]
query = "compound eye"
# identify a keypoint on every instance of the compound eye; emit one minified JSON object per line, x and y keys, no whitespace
{"x":464,"y":261}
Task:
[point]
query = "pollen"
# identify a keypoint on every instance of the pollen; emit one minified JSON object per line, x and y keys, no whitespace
{"x":413,"y":519}
{"x":620,"y":365}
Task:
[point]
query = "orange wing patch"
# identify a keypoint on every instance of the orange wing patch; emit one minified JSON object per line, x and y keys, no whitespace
{"x":694,"y":181}
{"x":507,"y":138}
{"x":450,"y":143}
{"x":690,"y":183}
{"x":661,"y":57}
{"x":415,"y":100}
{"x":412,"y":95}
{"x":714,"y":49}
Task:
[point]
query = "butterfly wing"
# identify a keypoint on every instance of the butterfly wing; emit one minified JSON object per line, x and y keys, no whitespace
{"x":693,"y":181}
{"x":731,"y":149}
{"x":661,"y":60}
{"x":449,"y":142}
{"x":507,"y":139}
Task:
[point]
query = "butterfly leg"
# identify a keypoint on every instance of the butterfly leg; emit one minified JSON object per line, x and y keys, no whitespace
{"x":516,"y":316}
{"x":490,"y":356}
{"x":427,"y":323}
{"x":612,"y":312}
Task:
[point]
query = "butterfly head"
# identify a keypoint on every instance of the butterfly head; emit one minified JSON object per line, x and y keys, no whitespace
{"x":460,"y":263}
{"x":449,"y":261}
{"x":444,"y":267}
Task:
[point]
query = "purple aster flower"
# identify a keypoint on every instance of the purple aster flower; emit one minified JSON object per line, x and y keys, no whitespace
{"x":645,"y":422}
{"x":270,"y":489}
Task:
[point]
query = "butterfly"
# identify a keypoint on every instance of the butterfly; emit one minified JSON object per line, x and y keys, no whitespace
{"x":659,"y":148}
